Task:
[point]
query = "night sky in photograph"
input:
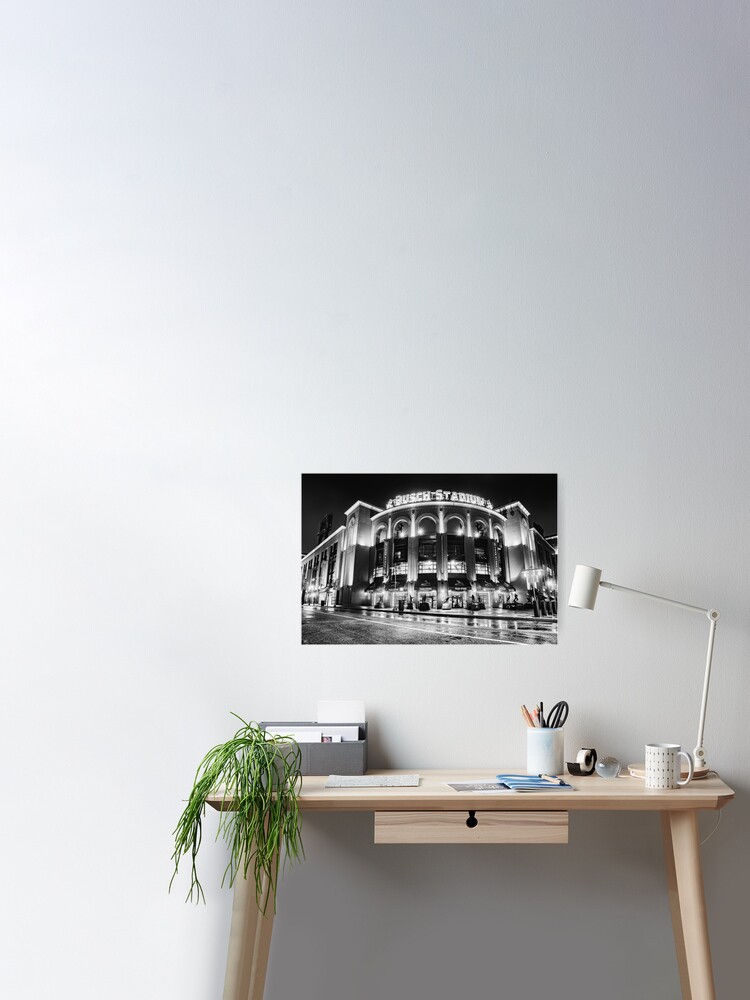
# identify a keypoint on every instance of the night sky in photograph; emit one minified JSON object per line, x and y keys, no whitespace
{"x":324,"y":494}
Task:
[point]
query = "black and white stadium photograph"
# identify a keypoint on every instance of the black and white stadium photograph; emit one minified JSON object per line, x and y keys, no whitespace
{"x":429,"y":559}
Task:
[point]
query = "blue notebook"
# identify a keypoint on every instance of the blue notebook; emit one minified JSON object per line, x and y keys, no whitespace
{"x":533,"y":783}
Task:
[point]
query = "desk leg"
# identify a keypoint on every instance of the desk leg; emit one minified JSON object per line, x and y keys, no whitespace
{"x":249,"y":944}
{"x":687,"y":903}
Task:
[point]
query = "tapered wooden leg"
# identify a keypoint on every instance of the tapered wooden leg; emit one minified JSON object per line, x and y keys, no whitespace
{"x":674,"y":906}
{"x":686,"y":900}
{"x":249,"y":944}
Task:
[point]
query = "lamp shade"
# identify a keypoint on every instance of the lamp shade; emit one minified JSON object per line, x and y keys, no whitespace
{"x":585,"y":587}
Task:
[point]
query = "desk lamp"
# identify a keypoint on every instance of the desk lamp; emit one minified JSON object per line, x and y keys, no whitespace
{"x":583,"y":594}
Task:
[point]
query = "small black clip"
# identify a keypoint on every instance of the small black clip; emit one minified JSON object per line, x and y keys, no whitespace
{"x":472,"y":821}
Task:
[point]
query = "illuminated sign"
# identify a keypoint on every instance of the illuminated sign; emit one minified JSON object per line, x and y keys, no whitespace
{"x":444,"y":496}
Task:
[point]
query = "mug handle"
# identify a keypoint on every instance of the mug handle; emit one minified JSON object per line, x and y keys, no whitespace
{"x":689,"y":759}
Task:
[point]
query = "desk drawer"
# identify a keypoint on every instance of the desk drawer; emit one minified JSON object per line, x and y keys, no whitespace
{"x":459,"y":827}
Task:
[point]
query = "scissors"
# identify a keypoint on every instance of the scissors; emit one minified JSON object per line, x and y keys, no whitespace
{"x":557,"y":716}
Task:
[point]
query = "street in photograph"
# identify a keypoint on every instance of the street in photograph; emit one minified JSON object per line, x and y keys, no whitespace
{"x":449,"y":559}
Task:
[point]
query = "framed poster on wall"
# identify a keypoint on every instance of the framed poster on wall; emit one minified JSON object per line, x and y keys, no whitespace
{"x":429,"y":559}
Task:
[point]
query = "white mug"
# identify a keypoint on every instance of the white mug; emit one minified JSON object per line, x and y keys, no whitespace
{"x":544,"y":751}
{"x":661,"y":765}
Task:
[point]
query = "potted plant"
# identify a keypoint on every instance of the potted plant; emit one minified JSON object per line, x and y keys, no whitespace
{"x":255,"y":780}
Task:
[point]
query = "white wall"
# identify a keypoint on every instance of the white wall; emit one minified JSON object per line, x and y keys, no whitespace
{"x":241,"y":241}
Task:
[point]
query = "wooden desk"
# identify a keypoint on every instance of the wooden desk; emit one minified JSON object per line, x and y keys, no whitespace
{"x":434,"y":813}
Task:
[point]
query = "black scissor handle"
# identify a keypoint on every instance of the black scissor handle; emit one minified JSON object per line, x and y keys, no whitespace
{"x":558,"y":715}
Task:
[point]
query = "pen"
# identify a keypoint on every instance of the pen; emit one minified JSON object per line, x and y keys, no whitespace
{"x":553,"y":778}
{"x":541,"y":715}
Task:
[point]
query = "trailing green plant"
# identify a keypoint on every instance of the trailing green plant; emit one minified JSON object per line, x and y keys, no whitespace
{"x":255,"y":777}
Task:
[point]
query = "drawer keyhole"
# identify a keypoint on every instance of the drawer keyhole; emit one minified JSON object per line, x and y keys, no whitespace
{"x":472,"y":821}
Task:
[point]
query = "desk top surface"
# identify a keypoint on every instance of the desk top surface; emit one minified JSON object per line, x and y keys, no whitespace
{"x":433,"y":793}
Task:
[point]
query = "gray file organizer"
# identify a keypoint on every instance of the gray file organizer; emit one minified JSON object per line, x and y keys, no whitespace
{"x":331,"y":758}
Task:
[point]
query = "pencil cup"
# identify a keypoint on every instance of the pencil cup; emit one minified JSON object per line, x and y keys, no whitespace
{"x":544,"y":751}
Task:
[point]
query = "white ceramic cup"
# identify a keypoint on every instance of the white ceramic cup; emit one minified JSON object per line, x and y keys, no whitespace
{"x":661,"y":765}
{"x":544,"y":751}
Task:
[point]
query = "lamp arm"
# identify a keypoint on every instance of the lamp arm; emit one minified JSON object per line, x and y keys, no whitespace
{"x":653,"y":597}
{"x":699,"y":754}
{"x":712,"y":614}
